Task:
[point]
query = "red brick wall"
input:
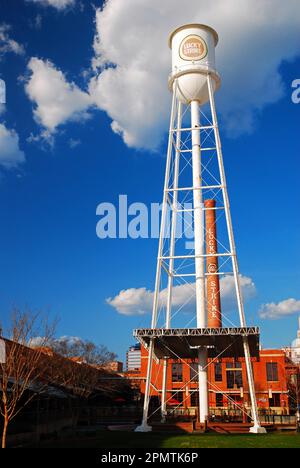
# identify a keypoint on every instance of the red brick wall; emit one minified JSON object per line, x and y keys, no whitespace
{"x":263,"y":387}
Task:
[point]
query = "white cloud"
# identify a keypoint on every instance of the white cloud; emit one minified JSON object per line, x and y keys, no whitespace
{"x":44,"y":139}
{"x":73,"y":143}
{"x":133,"y":301}
{"x":56,"y":100}
{"x":255,"y":37}
{"x":7,"y":44}
{"x":58,"y":4}
{"x":36,"y":22}
{"x":228,"y":291}
{"x":10,"y":154}
{"x":138,"y":301}
{"x":42,"y":341}
{"x":69,"y":339}
{"x":37,"y":341}
{"x":279,"y":310}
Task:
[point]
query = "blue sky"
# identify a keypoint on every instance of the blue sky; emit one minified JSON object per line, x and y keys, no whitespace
{"x":51,"y":258}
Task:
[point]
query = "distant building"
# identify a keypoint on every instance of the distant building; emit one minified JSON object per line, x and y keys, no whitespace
{"x":293,"y":352}
{"x":113,"y":366}
{"x":133,"y":358}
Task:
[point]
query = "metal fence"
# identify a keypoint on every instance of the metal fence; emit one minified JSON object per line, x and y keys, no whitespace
{"x":233,"y":416}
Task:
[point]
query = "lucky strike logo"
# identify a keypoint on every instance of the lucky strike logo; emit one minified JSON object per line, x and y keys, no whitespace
{"x":193,"y":48}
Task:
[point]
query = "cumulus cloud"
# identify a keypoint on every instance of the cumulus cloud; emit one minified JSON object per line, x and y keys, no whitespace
{"x":58,"y":4}
{"x":7,"y":44}
{"x":133,"y":60}
{"x":44,"y":139}
{"x":138,"y":301}
{"x":279,"y":310}
{"x":56,"y":100}
{"x":37,"y":341}
{"x":228,"y":291}
{"x":40,"y":341}
{"x":133,"y":301}
{"x":10,"y":153}
{"x":71,"y":340}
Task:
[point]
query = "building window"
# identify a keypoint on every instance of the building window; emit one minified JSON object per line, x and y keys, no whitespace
{"x":233,"y":365}
{"x":234,"y":379}
{"x":177,"y":372}
{"x":234,"y":375}
{"x":272,"y":372}
{"x":275,"y":400}
{"x":194,"y":372}
{"x":195,"y":398}
{"x":219,"y":400}
{"x":218,"y":372}
{"x":230,"y":379}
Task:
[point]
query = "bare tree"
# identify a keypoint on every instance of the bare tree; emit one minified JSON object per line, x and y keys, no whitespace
{"x":87,"y":351}
{"x":84,"y":380}
{"x":21,"y":368}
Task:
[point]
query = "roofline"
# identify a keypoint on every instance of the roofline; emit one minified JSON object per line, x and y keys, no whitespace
{"x":194,"y":25}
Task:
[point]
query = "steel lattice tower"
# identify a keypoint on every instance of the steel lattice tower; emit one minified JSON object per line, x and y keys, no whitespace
{"x":195,"y":175}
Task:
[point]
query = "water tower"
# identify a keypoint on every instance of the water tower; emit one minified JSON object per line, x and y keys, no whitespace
{"x":195,"y":189}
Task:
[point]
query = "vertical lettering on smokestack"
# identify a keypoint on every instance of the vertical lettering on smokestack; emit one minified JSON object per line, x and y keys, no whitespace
{"x":214,"y":319}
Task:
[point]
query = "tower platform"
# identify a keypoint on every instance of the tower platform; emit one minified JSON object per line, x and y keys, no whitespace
{"x":185,"y":342}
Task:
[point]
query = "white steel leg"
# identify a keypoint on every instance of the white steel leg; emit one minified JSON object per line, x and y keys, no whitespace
{"x":144,"y":426}
{"x":172,"y":251}
{"x":199,"y":260}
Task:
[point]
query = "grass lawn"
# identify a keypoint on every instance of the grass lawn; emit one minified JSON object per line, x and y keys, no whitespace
{"x":106,"y":439}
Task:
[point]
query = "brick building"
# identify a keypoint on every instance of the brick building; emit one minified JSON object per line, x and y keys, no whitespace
{"x":228,"y":386}
{"x":113,"y":366}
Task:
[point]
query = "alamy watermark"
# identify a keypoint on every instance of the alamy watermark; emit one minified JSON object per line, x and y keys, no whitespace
{"x":296,"y":92}
{"x":139,"y":221}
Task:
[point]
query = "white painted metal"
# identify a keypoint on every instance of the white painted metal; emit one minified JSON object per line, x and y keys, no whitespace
{"x":235,"y":268}
{"x":207,"y":80}
{"x":199,"y":258}
{"x":174,"y":217}
{"x":172,"y":250}
{"x":191,"y":210}
{"x":193,"y":56}
{"x":188,"y":129}
{"x":198,"y":217}
{"x":225,"y":254}
{"x":188,"y":189}
{"x":190,"y":275}
{"x":245,"y":331}
{"x":144,"y":426}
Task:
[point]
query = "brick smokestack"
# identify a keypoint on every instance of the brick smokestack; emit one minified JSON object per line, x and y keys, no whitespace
{"x":214,"y":319}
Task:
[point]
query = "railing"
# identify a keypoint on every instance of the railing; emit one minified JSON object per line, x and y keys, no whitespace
{"x":229,"y":415}
{"x":221,"y":415}
{"x":182,"y":413}
{"x":279,"y":419}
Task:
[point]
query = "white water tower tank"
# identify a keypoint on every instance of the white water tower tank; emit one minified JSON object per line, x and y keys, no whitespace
{"x":193,"y":58}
